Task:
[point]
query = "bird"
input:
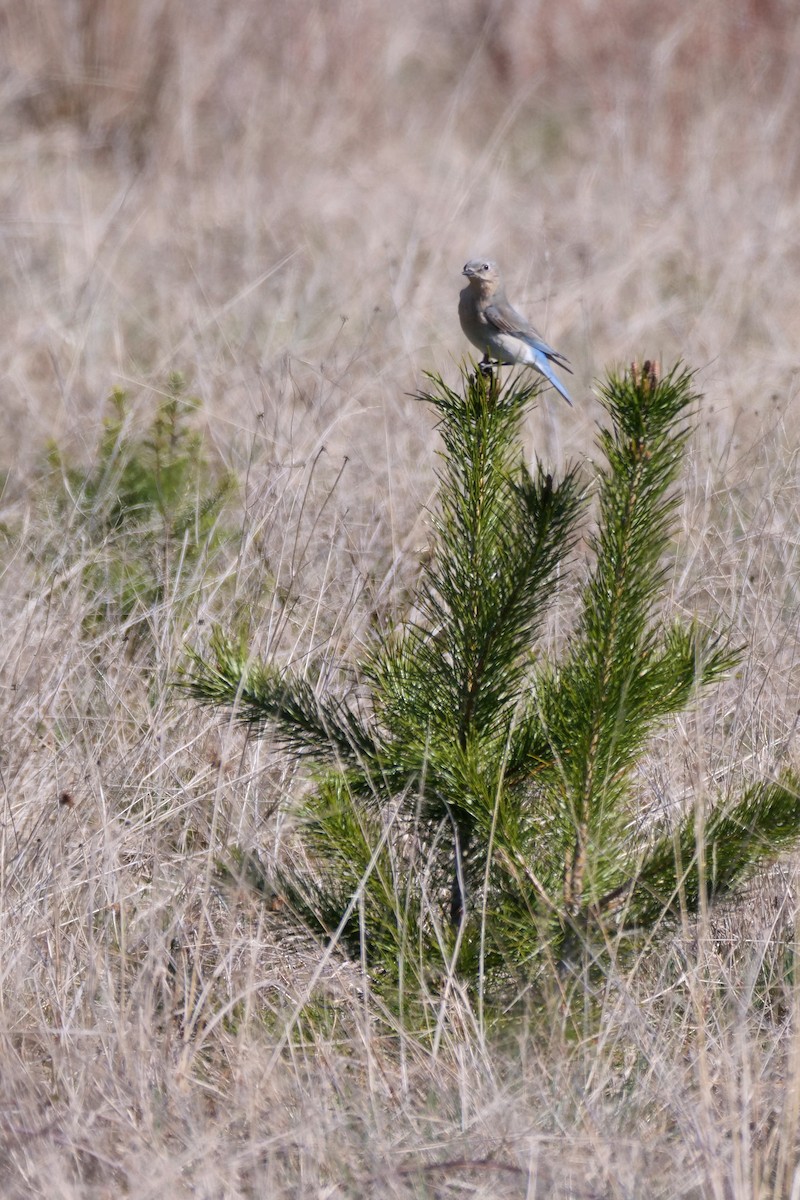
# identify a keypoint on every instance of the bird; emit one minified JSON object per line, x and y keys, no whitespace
{"x":491,"y":324}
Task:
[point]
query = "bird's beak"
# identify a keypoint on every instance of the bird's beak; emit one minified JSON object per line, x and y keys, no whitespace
{"x":467,"y":272}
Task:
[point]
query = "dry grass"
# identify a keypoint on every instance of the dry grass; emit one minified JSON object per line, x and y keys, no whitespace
{"x":277,"y":200}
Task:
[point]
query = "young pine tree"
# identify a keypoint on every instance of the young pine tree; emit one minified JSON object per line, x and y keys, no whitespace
{"x":477,"y":817}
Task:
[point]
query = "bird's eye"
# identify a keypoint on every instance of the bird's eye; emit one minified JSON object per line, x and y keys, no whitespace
{"x":485,"y":267}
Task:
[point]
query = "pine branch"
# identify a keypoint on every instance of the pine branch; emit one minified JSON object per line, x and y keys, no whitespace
{"x":737,"y":840}
{"x":598,"y":721}
{"x":502,"y":533}
{"x":325,"y":729}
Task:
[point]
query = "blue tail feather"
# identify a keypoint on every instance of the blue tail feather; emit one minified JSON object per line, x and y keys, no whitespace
{"x":543,"y":367}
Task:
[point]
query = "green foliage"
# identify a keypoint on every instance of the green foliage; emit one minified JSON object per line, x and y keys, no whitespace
{"x":473,"y":823}
{"x":148,"y":508}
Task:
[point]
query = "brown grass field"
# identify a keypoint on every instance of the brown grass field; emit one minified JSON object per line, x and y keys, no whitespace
{"x":276,"y":200}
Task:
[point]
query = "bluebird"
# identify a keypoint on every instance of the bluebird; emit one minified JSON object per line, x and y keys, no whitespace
{"x":498,"y":330}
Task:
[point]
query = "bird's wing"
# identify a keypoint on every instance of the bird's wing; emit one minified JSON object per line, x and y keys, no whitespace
{"x":507,"y":320}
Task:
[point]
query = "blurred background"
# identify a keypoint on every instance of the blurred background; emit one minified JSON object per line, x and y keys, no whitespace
{"x":277,"y":199}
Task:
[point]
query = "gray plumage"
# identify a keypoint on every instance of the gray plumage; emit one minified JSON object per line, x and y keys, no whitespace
{"x":498,"y":330}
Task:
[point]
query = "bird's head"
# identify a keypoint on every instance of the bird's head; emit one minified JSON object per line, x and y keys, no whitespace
{"x":482,"y":273}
